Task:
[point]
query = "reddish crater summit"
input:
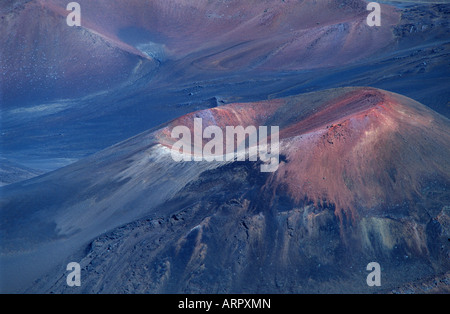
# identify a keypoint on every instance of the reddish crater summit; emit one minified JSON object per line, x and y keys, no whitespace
{"x":356,"y":148}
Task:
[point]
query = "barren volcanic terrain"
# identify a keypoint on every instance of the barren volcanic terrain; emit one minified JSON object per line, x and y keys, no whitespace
{"x":68,"y":92}
{"x":88,"y":176}
{"x":363,"y":176}
{"x":121,"y":38}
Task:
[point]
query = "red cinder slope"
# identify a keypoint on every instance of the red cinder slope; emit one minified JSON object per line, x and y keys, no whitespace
{"x":373,"y":157}
{"x":357,"y":148}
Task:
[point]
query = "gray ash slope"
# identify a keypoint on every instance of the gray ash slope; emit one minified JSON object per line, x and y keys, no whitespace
{"x":11,"y":172}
